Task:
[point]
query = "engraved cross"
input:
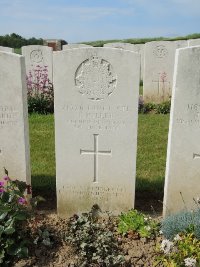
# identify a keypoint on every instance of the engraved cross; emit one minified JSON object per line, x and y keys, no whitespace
{"x":96,"y":152}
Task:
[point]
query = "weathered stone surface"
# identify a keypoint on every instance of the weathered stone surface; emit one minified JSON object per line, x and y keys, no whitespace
{"x":38,"y":60}
{"x":71,"y":46}
{"x":193,"y":42}
{"x":6,"y":49}
{"x":139,"y":48}
{"x":96,"y":102}
{"x":14,"y":138}
{"x":183,"y":156}
{"x":158,"y":70}
{"x":181,"y":43}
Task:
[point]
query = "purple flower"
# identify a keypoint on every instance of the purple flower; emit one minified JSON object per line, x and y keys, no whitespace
{"x":1,"y":183}
{"x":22,"y":200}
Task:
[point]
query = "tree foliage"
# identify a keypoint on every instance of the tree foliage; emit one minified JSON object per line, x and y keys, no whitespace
{"x":16,"y":41}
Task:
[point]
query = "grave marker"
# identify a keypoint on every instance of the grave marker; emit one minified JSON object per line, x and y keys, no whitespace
{"x":14,"y":137}
{"x":159,"y":65}
{"x":6,"y":49}
{"x":183,"y":154}
{"x":96,"y":107}
{"x":71,"y":46}
{"x":38,"y":60}
{"x":193,"y":42}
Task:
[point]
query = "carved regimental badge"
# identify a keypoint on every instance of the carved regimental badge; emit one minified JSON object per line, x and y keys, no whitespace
{"x":160,"y":51}
{"x":95,"y":78}
{"x":36,"y":56}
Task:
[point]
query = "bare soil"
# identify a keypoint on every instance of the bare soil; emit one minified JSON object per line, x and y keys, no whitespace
{"x":137,"y":251}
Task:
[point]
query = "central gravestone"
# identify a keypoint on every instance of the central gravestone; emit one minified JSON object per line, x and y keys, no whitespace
{"x":96,"y":102}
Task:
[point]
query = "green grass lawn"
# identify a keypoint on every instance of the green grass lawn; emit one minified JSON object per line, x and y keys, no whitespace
{"x":151,"y":152}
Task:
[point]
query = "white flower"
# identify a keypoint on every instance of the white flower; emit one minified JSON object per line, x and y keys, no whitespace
{"x":160,"y":232}
{"x":190,"y":262}
{"x":148,"y":228}
{"x":166,"y":246}
{"x":146,"y":219}
{"x":177,"y":237}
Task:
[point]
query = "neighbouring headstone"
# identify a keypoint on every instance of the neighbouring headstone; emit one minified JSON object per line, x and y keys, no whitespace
{"x":181,"y":43}
{"x":96,"y":110}
{"x":158,"y":70}
{"x":38,"y":60}
{"x":126,"y":46}
{"x":6,"y":49}
{"x":14,"y":137}
{"x":182,"y":187}
{"x":194,"y":42}
{"x":139,"y":48}
{"x":71,"y":46}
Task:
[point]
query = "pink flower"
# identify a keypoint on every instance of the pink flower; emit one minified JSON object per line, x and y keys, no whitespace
{"x":22,"y":201}
{"x":1,"y":183}
{"x":6,"y":178}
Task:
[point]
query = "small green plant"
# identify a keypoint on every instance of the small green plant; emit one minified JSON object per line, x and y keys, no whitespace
{"x":94,"y":241}
{"x":14,"y":213}
{"x":162,"y":108}
{"x":183,"y":251}
{"x":136,"y":222}
{"x":181,"y":222}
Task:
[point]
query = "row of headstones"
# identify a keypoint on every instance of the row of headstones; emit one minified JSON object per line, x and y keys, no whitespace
{"x":96,"y":114}
{"x":156,"y":64}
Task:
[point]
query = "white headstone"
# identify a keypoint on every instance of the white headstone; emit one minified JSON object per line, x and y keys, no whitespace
{"x":71,"y":46}
{"x":182,"y":181}
{"x":14,"y":137}
{"x":158,"y":70}
{"x":126,"y":46}
{"x":38,"y":60}
{"x":193,"y":42}
{"x":96,"y":107}
{"x":6,"y":49}
{"x":138,"y":48}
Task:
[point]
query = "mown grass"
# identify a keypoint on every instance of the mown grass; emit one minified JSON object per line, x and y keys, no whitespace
{"x":18,"y":51}
{"x":100,"y":43}
{"x":151,"y":153}
{"x":42,"y":149}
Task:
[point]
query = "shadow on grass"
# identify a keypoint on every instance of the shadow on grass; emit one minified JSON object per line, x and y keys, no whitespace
{"x":149,"y":194}
{"x":45,"y":186}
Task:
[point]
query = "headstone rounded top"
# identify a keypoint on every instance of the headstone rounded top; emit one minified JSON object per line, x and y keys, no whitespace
{"x":95,"y":78}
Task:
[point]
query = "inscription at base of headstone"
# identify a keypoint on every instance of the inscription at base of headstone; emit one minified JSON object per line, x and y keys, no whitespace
{"x":182,"y":187}
{"x":14,"y":137}
{"x":96,"y":102}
